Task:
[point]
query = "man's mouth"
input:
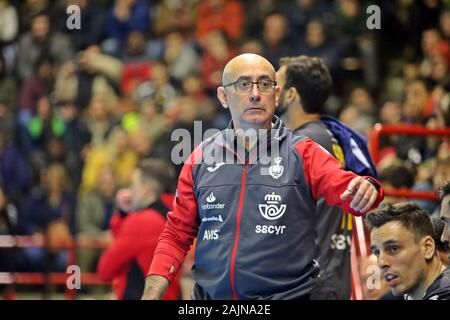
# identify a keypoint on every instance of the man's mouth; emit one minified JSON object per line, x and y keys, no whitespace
{"x":391,"y":279}
{"x":255,"y":109}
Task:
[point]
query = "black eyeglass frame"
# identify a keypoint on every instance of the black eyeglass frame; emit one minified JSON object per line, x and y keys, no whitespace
{"x":274,"y":84}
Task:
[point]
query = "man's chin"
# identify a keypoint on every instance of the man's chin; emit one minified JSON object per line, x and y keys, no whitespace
{"x":257,"y":120}
{"x":396,"y":291}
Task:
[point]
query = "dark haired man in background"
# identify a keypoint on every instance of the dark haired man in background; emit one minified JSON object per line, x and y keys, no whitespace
{"x":305,"y":86}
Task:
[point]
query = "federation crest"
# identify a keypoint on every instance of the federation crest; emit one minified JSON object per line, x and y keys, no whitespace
{"x":276,"y":170}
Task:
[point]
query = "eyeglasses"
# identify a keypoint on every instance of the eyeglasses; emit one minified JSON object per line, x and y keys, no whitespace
{"x":245,"y":86}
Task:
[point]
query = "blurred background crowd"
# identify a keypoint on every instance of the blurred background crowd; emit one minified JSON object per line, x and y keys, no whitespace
{"x":80,"y":108}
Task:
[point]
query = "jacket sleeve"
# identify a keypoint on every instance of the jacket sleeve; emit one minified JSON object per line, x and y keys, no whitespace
{"x":117,"y":257}
{"x":325,"y":176}
{"x":181,"y":227}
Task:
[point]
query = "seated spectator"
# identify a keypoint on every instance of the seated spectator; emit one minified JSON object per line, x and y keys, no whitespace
{"x":301,"y":12}
{"x":8,"y":86}
{"x":151,"y":119}
{"x":418,"y":102}
{"x":444,"y":23}
{"x":49,"y":213}
{"x":94,"y":213}
{"x":76,"y":140}
{"x":41,"y":42}
{"x":99,"y":120}
{"x":165,"y":92}
{"x":441,"y":174}
{"x":36,"y":134}
{"x":135,"y":48}
{"x":221,"y":15}
{"x":180,"y":56}
{"x":121,"y":156}
{"x":417,"y":107}
{"x":30,"y":8}
{"x":136,"y":228}
{"x":124,"y":17}
{"x":140,"y":143}
{"x":92,"y":20}
{"x":91,"y":73}
{"x":254,"y":15}
{"x":275,"y":38}
{"x":9,"y":27}
{"x":217,"y":51}
{"x":251,"y":45}
{"x":14,"y":170}
{"x":8,"y":218}
{"x":433,"y":47}
{"x":397,"y":176}
{"x":318,"y":43}
{"x":402,"y":237}
{"x":38,"y":85}
{"x":9,"y":22}
{"x":357,"y":44}
{"x":192,"y":86}
{"x":390,"y":112}
{"x":352,"y":116}
{"x":177,"y":15}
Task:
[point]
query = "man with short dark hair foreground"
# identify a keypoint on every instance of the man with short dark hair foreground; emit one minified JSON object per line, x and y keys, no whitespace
{"x":402,"y":239}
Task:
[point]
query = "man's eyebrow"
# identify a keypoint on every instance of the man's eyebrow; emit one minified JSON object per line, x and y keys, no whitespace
{"x":389,"y":242}
{"x":384,"y":244}
{"x":263,"y":77}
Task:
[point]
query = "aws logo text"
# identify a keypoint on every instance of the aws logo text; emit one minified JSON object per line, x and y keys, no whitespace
{"x":211,"y":234}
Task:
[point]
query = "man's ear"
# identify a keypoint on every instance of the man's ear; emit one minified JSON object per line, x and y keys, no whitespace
{"x":429,"y":247}
{"x":222,"y":96}
{"x":293,"y":94}
{"x":277,"y":95}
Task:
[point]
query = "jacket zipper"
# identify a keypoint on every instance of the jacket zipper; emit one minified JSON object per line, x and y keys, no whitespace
{"x":238,"y":228}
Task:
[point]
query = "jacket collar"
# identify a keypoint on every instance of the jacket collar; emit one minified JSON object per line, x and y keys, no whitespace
{"x":277,"y":132}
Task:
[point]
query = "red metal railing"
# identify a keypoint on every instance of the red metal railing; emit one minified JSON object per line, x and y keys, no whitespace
{"x":57,"y":278}
{"x":374,"y":144}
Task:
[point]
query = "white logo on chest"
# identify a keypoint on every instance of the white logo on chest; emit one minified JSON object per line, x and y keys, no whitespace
{"x":272,"y":210}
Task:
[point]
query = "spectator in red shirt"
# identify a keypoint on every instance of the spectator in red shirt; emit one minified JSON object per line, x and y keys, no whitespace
{"x":226,"y":16}
{"x":136,"y":228}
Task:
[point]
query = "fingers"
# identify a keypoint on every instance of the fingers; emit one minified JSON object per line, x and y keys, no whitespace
{"x":365,"y":198}
{"x":371,"y":202}
{"x":350,"y":189}
{"x":360,"y":198}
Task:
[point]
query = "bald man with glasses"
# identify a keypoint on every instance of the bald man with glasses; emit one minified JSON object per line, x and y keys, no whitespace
{"x":253,"y":219}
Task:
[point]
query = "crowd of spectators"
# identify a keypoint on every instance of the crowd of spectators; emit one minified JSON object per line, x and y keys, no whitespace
{"x":79,"y":108}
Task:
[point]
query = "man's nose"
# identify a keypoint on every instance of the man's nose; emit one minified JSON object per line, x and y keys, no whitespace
{"x":382,"y":261}
{"x":255,"y":95}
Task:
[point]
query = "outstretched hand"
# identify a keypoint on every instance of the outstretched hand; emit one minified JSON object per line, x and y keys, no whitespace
{"x":363,"y":192}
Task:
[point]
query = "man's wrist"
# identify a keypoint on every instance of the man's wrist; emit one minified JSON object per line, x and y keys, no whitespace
{"x":373,"y":182}
{"x":155,"y":287}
